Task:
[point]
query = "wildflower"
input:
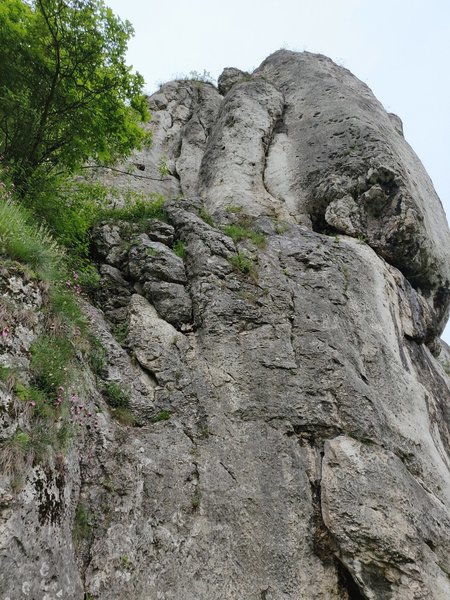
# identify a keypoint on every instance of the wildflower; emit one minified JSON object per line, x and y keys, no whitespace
{"x":5,"y":332}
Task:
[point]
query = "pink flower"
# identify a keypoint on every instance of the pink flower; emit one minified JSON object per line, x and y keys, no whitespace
{"x":5,"y":332}
{"x":32,"y":403}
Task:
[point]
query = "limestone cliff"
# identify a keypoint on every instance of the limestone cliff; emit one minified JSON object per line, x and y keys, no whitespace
{"x":278,"y":338}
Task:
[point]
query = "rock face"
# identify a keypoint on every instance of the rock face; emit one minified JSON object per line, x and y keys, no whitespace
{"x":292,"y":422}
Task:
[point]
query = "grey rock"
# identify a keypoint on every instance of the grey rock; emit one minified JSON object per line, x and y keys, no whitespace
{"x":230,"y":77}
{"x":158,"y":231}
{"x":150,"y":260}
{"x":291,"y":402}
{"x":109,"y":244}
{"x":171,"y":301}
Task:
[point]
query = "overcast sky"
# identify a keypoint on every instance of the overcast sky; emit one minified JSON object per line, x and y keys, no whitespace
{"x":400,"y":48}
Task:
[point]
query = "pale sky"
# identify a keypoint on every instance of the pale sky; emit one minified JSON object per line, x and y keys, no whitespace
{"x":400,"y":48}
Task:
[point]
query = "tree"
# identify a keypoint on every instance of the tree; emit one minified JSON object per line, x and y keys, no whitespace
{"x":66,"y":93}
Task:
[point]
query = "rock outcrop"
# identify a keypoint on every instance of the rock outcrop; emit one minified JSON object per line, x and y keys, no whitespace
{"x":278,"y":338}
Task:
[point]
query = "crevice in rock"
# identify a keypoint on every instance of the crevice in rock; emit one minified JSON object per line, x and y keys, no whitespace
{"x":347,"y":583}
{"x":196,"y":496}
{"x":149,"y":373}
{"x":278,"y":127}
{"x":324,"y":543}
{"x":229,"y":471}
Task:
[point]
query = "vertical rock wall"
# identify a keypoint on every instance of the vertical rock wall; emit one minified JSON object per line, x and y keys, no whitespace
{"x":291,"y":427}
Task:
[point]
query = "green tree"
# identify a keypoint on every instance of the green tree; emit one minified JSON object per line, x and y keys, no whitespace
{"x":66,"y":93}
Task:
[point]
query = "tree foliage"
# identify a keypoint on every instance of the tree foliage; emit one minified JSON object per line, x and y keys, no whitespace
{"x":66,"y":93}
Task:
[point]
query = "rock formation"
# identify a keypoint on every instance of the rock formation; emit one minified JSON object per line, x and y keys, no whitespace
{"x":278,"y":337}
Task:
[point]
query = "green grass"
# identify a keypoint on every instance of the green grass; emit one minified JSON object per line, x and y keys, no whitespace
{"x":33,"y":246}
{"x":137,"y":209}
{"x":33,"y":444}
{"x":238,"y":233}
{"x":65,"y":311}
{"x":9,"y":376}
{"x":51,"y":359}
{"x":13,"y":452}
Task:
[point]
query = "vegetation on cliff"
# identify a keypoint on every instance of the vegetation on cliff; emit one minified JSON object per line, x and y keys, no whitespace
{"x":67,"y":97}
{"x":66,"y":92}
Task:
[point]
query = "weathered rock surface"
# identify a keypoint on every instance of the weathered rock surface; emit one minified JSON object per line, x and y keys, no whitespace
{"x":292,"y":422}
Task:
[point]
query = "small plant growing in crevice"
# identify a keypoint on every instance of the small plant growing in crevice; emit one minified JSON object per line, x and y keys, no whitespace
{"x":124,"y":416}
{"x":97,"y":356}
{"x":120,"y":332}
{"x":179,"y":247}
{"x":281,"y":228}
{"x":195,"y":500}
{"x":239,"y":233}
{"x":203,"y":433}
{"x":234,"y":209}
{"x":163,"y":167}
{"x":204,"y":214}
{"x":82,"y":525}
{"x":13,"y":452}
{"x":198,"y":77}
{"x":163,"y":415}
{"x":118,"y":399}
{"x":243,"y":264}
{"x":116,"y":396}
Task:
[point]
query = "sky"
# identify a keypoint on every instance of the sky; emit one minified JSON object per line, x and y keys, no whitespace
{"x":400,"y":48}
